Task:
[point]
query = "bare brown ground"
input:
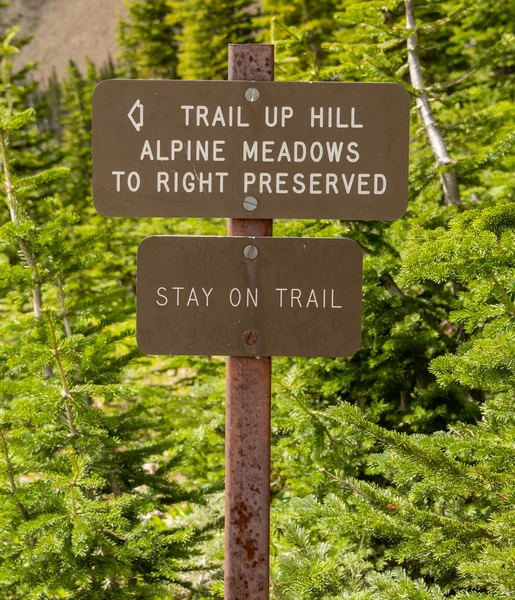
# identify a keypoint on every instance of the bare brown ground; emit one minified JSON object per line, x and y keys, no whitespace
{"x":65,"y":29}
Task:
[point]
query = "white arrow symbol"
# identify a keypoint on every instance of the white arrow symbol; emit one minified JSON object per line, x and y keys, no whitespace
{"x":137,"y":124}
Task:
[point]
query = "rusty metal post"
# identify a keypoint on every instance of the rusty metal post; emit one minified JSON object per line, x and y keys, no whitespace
{"x":248,"y":384}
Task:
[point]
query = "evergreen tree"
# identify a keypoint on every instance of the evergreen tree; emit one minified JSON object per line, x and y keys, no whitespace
{"x":361,"y":541}
{"x":148,"y":41}
{"x":86,"y":470}
{"x":207,"y":27}
{"x":446,"y":516}
{"x":53,"y":97}
{"x":298,"y":30}
{"x":402,"y":330}
{"x":75,"y":122}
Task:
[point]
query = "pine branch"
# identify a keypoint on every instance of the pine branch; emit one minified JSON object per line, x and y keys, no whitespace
{"x":448,"y":179}
{"x":65,"y":390}
{"x":507,"y":301}
{"x":14,"y":208}
{"x":391,"y":287}
{"x":345,"y":483}
{"x":64,"y":312}
{"x":37,"y":299}
{"x":15,"y":217}
{"x":10,"y":475}
{"x":309,"y":412}
{"x":389,"y":282}
{"x":460,"y":79}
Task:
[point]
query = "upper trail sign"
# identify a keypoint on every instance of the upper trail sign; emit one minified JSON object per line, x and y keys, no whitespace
{"x":250,"y":150}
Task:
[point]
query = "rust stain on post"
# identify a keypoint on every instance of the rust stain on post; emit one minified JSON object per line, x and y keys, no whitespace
{"x":251,"y":62}
{"x":248,"y":384}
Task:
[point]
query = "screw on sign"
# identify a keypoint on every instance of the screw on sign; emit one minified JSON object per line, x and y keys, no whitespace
{"x":250,"y":337}
{"x":250,"y":152}
{"x":250,"y":252}
{"x":252,"y":95}
{"x":250,"y":203}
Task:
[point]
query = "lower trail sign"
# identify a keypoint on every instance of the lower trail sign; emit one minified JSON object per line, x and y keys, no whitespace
{"x":249,"y":296}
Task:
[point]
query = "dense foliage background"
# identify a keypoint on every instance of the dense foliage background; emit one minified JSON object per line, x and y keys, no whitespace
{"x":394,"y":470}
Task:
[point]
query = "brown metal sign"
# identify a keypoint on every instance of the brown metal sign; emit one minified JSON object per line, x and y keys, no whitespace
{"x":249,"y":296}
{"x":250,"y":150}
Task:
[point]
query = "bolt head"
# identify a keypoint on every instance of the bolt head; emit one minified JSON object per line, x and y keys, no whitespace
{"x":249,"y":337}
{"x":252,"y":95}
{"x":250,"y":203}
{"x":250,"y":252}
